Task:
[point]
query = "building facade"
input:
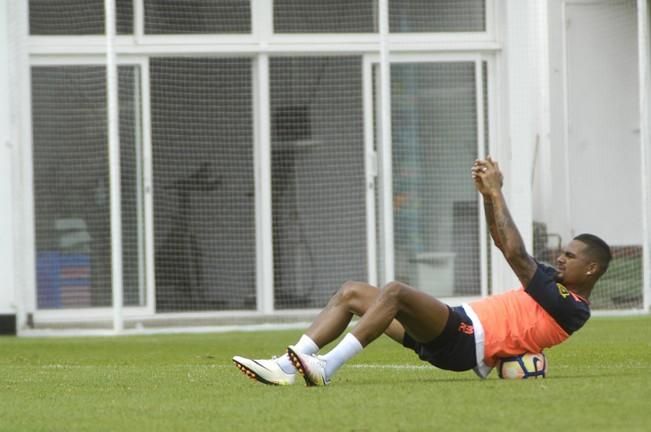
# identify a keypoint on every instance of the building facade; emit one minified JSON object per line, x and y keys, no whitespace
{"x":267,"y":151}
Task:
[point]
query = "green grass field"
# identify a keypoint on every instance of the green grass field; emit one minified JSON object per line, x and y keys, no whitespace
{"x":599,"y":380}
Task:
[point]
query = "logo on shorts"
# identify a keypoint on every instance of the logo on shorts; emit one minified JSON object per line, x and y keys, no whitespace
{"x":466,"y":328}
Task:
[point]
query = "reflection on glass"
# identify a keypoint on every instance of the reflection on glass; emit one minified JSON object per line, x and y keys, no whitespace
{"x":437,"y":16}
{"x":204,"y":209}
{"x":71,"y":187}
{"x":77,"y":17}
{"x":435,"y":205}
{"x":197,"y":16}
{"x":319,"y":215}
{"x":318,"y":16}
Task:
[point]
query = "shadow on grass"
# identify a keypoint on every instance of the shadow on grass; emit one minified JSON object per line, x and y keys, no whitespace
{"x":601,"y":375}
{"x":470,"y":379}
{"x":411,"y":380}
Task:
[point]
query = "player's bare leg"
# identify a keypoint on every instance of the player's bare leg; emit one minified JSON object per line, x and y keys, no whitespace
{"x":421,"y":315}
{"x":353,"y":298}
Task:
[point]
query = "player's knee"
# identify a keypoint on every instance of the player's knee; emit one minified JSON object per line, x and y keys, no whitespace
{"x":394,"y":291}
{"x":349,"y":291}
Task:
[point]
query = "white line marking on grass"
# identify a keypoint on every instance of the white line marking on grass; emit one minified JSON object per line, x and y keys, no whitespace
{"x":372,"y":366}
{"x":149,"y":331}
{"x":391,"y":366}
{"x":228,"y":366}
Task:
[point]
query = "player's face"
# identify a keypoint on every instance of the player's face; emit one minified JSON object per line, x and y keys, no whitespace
{"x":573,"y":263}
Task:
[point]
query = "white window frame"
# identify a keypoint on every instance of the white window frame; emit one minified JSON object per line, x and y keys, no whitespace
{"x":263,"y":39}
{"x":259,"y":45}
{"x":146,"y":197}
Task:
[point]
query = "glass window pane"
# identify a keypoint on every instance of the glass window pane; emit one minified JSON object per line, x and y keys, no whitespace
{"x":204,"y":220}
{"x":318,"y":184}
{"x":197,"y":16}
{"x":437,"y":16}
{"x":71,"y":187}
{"x":436,"y":218}
{"x":317,"y":16}
{"x":76,"y":17}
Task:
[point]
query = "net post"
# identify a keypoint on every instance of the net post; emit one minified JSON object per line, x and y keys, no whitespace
{"x":262,"y":155}
{"x":24,"y":259}
{"x":645,"y":134}
{"x":481,"y":153}
{"x":386,"y":144}
{"x":262,"y":28}
{"x":114,"y":165}
{"x":371,"y":172}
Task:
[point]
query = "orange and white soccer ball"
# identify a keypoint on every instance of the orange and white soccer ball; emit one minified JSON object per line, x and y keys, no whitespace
{"x":523,"y":366}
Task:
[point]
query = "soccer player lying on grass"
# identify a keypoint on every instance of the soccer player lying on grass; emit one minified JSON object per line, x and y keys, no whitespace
{"x":551,"y":306}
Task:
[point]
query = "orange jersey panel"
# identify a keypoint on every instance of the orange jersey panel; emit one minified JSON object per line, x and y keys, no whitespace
{"x":514,"y":323}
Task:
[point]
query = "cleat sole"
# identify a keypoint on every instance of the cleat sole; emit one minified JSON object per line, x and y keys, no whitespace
{"x":299,"y":367}
{"x":252,"y":375}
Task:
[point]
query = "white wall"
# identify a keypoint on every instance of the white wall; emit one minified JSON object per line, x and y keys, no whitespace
{"x":519,"y":122}
{"x":555,"y":216}
{"x":594,"y":121}
{"x":7,"y":291}
{"x":644,"y":52}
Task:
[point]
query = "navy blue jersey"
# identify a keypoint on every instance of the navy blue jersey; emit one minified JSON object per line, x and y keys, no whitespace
{"x":568,"y":309}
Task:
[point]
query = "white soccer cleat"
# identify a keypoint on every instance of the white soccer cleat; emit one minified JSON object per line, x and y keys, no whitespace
{"x":311,"y":367}
{"x":264,"y":371}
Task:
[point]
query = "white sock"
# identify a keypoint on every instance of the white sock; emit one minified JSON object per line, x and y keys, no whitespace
{"x":305,"y":345}
{"x":344,"y":351}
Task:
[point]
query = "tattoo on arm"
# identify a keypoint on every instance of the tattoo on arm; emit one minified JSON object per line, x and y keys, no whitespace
{"x":490,"y":220}
{"x":508,"y":239}
{"x":507,"y":231}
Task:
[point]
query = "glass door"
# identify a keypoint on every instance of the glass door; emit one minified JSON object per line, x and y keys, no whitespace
{"x":71,"y":186}
{"x":438,"y":130}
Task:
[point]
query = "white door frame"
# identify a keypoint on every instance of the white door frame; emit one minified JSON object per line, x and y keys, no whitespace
{"x":373,"y":173}
{"x":145,"y":214}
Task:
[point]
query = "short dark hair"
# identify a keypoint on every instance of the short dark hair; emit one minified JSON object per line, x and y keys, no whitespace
{"x":597,"y":249}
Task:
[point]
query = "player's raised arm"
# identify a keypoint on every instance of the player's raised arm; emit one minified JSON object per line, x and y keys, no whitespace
{"x":488,"y":181}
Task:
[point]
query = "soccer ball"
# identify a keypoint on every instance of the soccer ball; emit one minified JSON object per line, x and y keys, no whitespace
{"x":523,"y":366}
